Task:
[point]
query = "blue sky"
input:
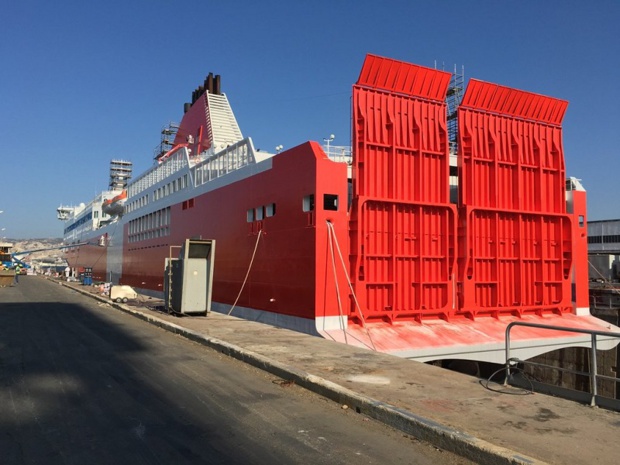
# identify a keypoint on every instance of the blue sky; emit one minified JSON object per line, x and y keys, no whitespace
{"x":83,"y":82}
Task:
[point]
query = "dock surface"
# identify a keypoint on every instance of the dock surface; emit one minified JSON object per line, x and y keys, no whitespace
{"x":451,"y":410}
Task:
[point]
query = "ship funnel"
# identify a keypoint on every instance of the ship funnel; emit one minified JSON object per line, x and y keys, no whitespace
{"x":216,"y":85}
{"x":209,"y":83}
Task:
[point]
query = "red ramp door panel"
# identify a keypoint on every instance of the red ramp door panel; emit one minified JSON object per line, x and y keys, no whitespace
{"x":515,"y":246}
{"x":402,"y":224}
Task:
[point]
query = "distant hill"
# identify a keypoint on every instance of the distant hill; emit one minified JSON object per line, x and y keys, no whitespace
{"x":21,"y":245}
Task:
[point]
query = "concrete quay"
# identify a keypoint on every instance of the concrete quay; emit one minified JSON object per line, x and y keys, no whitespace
{"x":450,"y":410}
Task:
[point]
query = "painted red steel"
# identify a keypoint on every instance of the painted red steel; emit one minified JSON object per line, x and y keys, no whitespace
{"x":195,"y":124}
{"x":515,"y":238}
{"x":403,"y":78}
{"x":581,"y":294}
{"x":290,"y":271}
{"x":402,"y":222}
{"x":494,"y":98}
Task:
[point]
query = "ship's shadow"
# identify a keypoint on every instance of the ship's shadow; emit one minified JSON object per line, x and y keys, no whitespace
{"x":83,"y":383}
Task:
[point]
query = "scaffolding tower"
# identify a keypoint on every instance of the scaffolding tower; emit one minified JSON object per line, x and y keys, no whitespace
{"x":453,"y":100}
{"x":120,"y":174}
{"x":168,"y":134}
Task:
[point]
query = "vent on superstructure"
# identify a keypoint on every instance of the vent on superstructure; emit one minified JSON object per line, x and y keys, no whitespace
{"x":222,"y":127}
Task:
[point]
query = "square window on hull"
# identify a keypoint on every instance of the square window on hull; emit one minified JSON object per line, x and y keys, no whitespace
{"x":330,"y":202}
{"x":308,"y":203}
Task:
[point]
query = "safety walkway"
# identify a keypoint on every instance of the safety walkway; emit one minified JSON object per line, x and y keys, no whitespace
{"x":452,"y":411}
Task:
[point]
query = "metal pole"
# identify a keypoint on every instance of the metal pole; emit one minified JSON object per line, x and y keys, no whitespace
{"x":507,"y":354}
{"x":593,"y":372}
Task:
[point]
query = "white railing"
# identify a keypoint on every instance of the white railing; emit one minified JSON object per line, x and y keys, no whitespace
{"x":230,"y":159}
{"x":173,"y":163}
{"x":338,"y":153}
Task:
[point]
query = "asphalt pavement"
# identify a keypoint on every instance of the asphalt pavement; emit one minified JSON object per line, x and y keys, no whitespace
{"x":451,"y":410}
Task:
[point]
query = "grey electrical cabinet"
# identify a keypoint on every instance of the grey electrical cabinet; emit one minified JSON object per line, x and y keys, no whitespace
{"x":189,"y":278}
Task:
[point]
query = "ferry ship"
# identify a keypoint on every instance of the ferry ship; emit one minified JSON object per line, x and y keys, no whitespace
{"x":366,"y":246}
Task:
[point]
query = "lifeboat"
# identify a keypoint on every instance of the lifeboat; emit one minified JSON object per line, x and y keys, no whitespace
{"x":116,"y":205}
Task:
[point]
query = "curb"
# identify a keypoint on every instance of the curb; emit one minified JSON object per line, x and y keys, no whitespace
{"x":443,"y":437}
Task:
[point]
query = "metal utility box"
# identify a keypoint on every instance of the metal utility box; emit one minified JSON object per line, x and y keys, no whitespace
{"x":189,"y":278}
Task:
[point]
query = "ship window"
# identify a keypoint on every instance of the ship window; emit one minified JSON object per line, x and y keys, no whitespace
{"x":259,"y":213}
{"x":270,"y":210}
{"x":308,"y":204}
{"x":250,"y":215}
{"x":330,"y":202}
{"x":96,"y":214}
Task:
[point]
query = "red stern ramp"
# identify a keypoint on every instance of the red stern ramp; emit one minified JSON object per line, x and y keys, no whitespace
{"x":482,"y":340}
{"x":433,"y":280}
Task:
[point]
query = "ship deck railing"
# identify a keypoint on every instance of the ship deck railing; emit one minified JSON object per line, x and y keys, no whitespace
{"x":338,"y":153}
{"x":230,"y":159}
{"x":209,"y":166}
{"x":174,"y":163}
{"x":204,"y":167}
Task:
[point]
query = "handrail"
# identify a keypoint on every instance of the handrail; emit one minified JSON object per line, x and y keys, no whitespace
{"x":593,"y":369}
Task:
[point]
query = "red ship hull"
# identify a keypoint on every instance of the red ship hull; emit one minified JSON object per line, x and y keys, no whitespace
{"x":301,"y":246}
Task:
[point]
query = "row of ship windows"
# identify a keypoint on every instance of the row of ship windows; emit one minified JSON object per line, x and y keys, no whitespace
{"x":79,"y":222}
{"x":330,"y":202}
{"x":156,"y":224}
{"x":259,"y":213}
{"x":86,"y":218}
{"x":609,"y":239}
{"x":173,"y":186}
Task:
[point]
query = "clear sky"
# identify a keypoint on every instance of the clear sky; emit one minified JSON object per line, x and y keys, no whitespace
{"x":83,"y":82}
